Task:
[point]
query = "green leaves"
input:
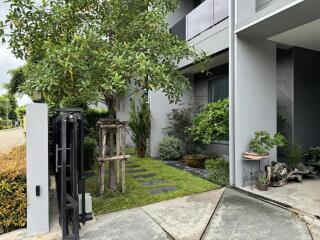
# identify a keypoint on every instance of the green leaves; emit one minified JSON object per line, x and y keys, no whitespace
{"x":139,"y":124}
{"x":212,"y":123}
{"x":263,"y":142}
{"x":93,"y":50}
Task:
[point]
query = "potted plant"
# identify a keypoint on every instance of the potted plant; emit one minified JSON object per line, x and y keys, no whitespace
{"x":195,"y":160}
{"x":262,"y":143}
{"x":262,"y":182}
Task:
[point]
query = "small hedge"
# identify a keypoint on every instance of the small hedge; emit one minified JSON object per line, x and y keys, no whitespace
{"x":90,"y":154}
{"x":218,"y":169}
{"x":13,"y":197}
{"x":170,"y":148}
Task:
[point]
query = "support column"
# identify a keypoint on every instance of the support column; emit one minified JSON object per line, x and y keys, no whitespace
{"x":37,"y":169}
{"x":255,"y":96}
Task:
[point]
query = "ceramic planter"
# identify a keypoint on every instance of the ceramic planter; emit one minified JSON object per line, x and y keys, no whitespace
{"x":195,"y":161}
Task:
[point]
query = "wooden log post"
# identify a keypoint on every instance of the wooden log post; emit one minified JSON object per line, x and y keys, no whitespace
{"x":112,"y":173}
{"x":103,"y":147}
{"x":118,"y":146}
{"x":123,"y":175}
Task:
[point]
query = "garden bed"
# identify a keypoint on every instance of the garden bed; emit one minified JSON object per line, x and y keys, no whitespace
{"x":147,"y":181}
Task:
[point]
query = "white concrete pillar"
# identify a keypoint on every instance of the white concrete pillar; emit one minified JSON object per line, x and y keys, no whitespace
{"x":255,"y":96}
{"x":37,"y":169}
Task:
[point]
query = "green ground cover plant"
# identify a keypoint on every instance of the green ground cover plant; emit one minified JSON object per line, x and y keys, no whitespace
{"x":218,"y":169}
{"x":138,"y":195}
{"x":13,"y":196}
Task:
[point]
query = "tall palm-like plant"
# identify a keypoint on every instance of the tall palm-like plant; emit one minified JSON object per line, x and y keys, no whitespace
{"x":139,"y":125}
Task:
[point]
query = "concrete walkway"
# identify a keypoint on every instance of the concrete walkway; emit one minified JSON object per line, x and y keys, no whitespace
{"x":221,"y":214}
{"x":10,"y":138}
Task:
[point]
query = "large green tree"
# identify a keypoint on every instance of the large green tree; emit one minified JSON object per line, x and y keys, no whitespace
{"x":8,"y":105}
{"x":89,"y":50}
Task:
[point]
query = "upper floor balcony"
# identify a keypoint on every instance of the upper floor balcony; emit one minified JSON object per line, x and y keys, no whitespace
{"x":208,"y":14}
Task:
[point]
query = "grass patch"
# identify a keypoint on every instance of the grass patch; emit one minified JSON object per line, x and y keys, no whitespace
{"x":138,"y":195}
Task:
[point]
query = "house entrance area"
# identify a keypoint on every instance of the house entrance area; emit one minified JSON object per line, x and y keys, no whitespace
{"x":295,"y":177}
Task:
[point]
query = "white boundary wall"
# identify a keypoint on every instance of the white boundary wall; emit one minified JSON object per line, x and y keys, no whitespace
{"x":37,"y":169}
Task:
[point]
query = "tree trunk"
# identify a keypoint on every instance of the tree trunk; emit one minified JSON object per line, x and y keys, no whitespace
{"x":111,"y":104}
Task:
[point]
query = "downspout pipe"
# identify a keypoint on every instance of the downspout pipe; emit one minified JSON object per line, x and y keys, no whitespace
{"x":232,"y":172}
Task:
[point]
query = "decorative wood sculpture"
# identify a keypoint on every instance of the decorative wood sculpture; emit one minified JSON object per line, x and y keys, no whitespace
{"x":112,"y":149}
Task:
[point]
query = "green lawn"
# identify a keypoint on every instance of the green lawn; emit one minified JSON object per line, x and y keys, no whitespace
{"x":138,"y":195}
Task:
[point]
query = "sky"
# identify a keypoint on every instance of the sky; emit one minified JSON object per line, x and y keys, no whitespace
{"x":7,"y":60}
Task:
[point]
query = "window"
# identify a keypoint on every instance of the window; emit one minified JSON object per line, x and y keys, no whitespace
{"x":218,"y":88}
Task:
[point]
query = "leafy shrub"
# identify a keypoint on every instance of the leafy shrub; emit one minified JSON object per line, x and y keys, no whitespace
{"x":218,"y":171}
{"x":13,"y":197}
{"x":180,"y":120}
{"x":89,"y":152}
{"x":170,"y":149}
{"x":212,"y":123}
{"x":139,"y":124}
{"x":294,"y":155}
{"x":91,"y":116}
{"x":263,"y":142}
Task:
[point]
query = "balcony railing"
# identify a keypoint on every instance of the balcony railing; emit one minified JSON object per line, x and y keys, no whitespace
{"x":206,"y":15}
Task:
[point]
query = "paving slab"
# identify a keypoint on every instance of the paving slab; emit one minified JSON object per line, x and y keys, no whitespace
{"x":132,"y":166}
{"x":143,"y":176}
{"x":162,"y":190}
{"x":187,"y":217}
{"x":245,"y":218}
{"x":154,"y":182}
{"x":136,"y":170}
{"x":133,"y":224}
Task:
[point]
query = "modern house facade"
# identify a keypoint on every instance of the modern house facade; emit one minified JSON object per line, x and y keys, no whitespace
{"x":264,"y":57}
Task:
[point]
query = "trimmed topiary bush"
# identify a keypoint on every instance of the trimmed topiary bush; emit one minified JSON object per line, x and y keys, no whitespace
{"x":13,"y":196}
{"x":170,"y":149}
{"x":218,"y":169}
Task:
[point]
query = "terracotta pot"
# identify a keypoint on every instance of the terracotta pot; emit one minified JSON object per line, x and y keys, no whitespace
{"x":195,"y":161}
{"x":254,"y":156}
{"x":262,"y":187}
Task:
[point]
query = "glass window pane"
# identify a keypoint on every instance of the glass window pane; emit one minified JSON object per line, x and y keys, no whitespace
{"x":200,"y":19}
{"x":218,"y":88}
{"x":221,"y":10}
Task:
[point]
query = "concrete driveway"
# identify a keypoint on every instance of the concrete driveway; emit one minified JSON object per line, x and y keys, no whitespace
{"x":223,"y":214}
{"x":203,"y":216}
{"x":10,"y":138}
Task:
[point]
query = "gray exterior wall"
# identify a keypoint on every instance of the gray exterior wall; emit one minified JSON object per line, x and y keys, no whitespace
{"x":298,"y":95}
{"x":160,"y":107}
{"x":185,"y":6}
{"x":255,"y":98}
{"x":285,"y":95}
{"x":248,"y":11}
{"x":306,"y":97}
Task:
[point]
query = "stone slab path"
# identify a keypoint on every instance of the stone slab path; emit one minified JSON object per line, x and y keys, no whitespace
{"x":143,"y":177}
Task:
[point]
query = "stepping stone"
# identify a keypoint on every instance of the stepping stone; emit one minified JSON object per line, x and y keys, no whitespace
{"x":132,"y":166}
{"x":154,"y":182}
{"x":136,"y":170}
{"x":162,"y":190}
{"x":144,"y":176}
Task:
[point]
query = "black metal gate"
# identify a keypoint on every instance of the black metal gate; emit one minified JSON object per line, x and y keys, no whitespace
{"x":68,"y":165}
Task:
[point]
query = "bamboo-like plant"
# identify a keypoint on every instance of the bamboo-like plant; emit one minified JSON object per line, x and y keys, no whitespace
{"x":139,"y":124}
